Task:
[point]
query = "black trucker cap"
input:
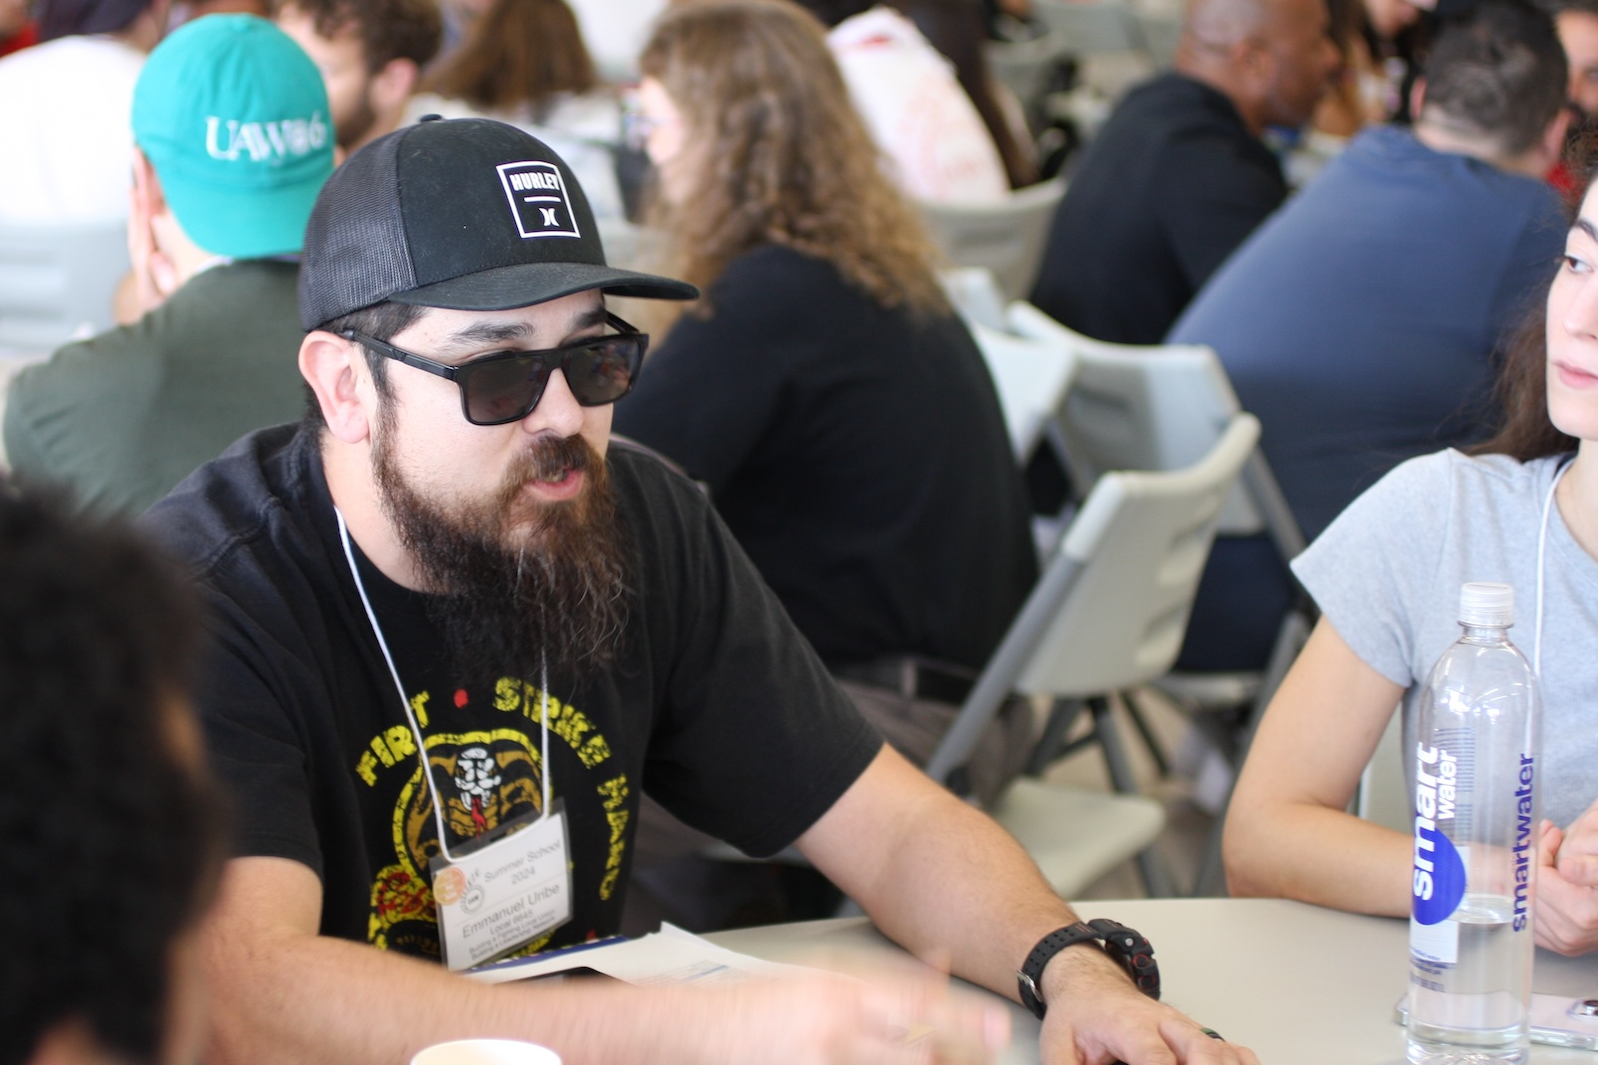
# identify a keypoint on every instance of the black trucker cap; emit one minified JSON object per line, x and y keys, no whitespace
{"x":468,"y":213}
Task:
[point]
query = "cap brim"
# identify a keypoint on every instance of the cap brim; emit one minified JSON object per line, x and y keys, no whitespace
{"x":244,"y":223}
{"x":524,"y":284}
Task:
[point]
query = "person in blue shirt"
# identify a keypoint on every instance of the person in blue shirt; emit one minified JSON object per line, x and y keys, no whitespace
{"x":1364,"y":321}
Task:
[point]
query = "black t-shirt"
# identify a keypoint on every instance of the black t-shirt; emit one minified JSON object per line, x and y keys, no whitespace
{"x":716,"y":706}
{"x":857,"y":452}
{"x":1171,"y":185}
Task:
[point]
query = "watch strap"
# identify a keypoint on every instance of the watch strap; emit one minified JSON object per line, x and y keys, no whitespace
{"x":1133,"y":952}
{"x":1033,"y":970}
{"x":1121,"y":943}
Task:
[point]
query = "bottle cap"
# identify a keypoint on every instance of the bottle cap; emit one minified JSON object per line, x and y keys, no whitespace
{"x":1486,"y":604}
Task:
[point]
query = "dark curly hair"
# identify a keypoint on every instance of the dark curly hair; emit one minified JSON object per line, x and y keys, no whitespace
{"x":111,"y":824}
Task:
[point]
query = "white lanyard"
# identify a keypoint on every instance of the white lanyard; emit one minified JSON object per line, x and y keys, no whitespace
{"x":1539,"y":565}
{"x":411,"y":718}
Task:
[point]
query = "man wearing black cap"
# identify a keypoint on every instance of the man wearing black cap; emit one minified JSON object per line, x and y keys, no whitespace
{"x":457,"y":635}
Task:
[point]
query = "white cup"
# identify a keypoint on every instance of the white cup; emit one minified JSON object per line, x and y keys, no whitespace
{"x":486,"y":1052}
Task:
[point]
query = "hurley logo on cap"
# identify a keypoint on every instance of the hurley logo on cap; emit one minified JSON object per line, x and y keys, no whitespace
{"x":538,"y":199}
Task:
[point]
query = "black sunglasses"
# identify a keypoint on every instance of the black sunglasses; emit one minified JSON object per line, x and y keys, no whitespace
{"x":505,"y":386}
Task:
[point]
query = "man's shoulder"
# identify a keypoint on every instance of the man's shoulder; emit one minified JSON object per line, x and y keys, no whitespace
{"x":257,"y":494}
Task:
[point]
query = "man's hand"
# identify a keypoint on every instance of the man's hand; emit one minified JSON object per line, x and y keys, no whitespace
{"x":835,"y":1020}
{"x":1095,"y":1016}
{"x":1565,"y":892}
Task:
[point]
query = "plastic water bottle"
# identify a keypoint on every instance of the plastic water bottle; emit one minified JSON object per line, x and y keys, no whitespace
{"x":1476,"y":809}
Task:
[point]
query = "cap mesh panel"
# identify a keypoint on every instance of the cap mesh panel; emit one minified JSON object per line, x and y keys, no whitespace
{"x":355,"y":253}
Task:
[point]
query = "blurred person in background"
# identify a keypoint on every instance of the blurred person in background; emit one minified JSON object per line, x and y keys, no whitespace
{"x":68,"y":144}
{"x":1521,"y":510}
{"x":1179,"y":177}
{"x":524,"y":63}
{"x":234,"y":141}
{"x":917,"y":75}
{"x":371,"y":54}
{"x":1365,"y":321}
{"x":112,"y":824}
{"x":1577,"y":27}
{"x":18,"y":30}
{"x":844,"y":420}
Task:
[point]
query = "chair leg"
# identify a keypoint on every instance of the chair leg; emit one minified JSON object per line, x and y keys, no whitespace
{"x":1064,"y":712}
{"x":1117,"y":763}
{"x":1144,"y":728}
{"x":1153,"y":870}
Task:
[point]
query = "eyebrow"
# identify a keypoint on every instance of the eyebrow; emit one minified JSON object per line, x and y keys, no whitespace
{"x":480,"y":333}
{"x":1586,"y":225}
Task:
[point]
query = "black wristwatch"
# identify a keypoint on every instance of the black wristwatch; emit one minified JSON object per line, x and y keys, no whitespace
{"x":1121,"y":943}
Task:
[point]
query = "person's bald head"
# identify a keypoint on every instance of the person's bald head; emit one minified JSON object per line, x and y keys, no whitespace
{"x":1273,"y":58}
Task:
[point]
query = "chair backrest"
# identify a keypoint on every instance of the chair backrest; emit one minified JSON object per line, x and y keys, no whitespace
{"x":1110,"y":609}
{"x":976,"y":295}
{"x":1158,"y":407}
{"x":57,"y":281}
{"x":1084,"y":27}
{"x":1032,"y":378}
{"x":1161,"y":32}
{"x":1021,"y":65}
{"x":1008,"y":237}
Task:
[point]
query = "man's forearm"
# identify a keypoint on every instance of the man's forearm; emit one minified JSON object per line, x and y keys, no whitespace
{"x":315,"y":1000}
{"x":964,"y":891}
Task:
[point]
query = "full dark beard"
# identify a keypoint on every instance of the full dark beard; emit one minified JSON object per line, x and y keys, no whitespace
{"x":517,"y":584}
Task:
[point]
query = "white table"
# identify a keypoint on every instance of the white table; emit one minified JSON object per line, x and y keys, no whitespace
{"x":1298,"y":984}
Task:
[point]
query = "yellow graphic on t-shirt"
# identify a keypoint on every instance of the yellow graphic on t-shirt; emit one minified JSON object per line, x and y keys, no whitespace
{"x":494,"y":776}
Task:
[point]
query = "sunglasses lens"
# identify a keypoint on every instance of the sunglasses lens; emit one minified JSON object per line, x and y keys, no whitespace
{"x":603,"y":372}
{"x":504,"y":390}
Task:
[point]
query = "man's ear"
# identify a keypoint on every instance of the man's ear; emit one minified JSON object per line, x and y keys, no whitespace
{"x":1555,"y":139}
{"x":1415,"y":104}
{"x":148,"y":199}
{"x":392,"y":85}
{"x":336,"y":370}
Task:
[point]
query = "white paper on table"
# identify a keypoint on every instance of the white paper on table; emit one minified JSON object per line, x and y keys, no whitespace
{"x":671,"y":956}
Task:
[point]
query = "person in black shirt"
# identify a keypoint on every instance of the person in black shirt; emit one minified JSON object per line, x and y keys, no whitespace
{"x":846,"y":424}
{"x":446,"y":607}
{"x":1178,"y":177}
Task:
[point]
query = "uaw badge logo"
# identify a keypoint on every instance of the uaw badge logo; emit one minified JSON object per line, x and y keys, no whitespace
{"x":538,"y":198}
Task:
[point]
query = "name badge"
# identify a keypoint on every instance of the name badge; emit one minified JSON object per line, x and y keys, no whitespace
{"x":505,"y":892}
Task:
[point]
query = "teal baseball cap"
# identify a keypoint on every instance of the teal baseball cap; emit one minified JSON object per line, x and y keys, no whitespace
{"x":233,"y":116}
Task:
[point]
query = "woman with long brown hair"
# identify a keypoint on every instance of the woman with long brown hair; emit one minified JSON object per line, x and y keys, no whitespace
{"x":824,"y":390}
{"x":524,"y":63}
{"x":1521,"y":510}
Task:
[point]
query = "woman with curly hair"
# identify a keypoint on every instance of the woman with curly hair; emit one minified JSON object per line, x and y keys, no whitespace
{"x":823,"y":389}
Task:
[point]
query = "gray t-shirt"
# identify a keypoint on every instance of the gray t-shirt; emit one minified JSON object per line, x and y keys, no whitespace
{"x":1388,"y":575}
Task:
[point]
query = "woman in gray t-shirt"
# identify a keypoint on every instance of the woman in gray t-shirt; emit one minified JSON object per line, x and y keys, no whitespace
{"x":1386,"y":575}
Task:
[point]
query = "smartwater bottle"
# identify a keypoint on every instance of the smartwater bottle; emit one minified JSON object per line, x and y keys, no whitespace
{"x":1476,"y":808}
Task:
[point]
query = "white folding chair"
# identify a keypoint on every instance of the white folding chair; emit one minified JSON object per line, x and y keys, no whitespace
{"x":1084,"y":27}
{"x":976,"y":295}
{"x":57,"y":281}
{"x":1107,"y":614}
{"x":1032,"y":378}
{"x":1159,"y":408}
{"x":1008,"y":238}
{"x":1021,"y":66}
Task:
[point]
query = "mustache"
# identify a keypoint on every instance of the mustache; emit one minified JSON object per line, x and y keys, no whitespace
{"x":549,"y":458}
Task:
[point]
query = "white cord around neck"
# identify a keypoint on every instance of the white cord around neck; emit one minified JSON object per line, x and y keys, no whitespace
{"x":411,"y":717}
{"x":1539,"y":564}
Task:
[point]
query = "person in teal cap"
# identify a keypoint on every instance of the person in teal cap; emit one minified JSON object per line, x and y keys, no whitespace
{"x":233,"y":142}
